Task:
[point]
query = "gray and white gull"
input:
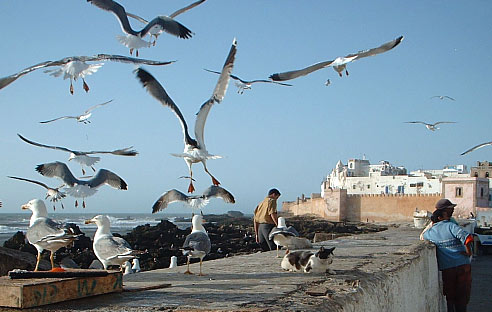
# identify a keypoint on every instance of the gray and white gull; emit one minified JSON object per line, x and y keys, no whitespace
{"x":75,"y":67}
{"x":83,"y":118}
{"x":52,"y":194}
{"x":45,"y":233}
{"x":133,"y":39}
{"x":81,"y":157}
{"x":194,"y":150}
{"x":81,"y":188}
{"x":339,"y":64}
{"x":242,"y":84}
{"x":197,"y":244}
{"x":430,"y":126}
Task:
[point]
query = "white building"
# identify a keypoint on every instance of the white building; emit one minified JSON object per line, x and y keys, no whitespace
{"x":360,"y":177}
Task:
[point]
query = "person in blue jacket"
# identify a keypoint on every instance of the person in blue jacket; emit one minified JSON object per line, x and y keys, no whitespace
{"x":453,"y":255}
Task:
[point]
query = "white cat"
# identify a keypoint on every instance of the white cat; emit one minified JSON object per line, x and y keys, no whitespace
{"x":309,"y":261}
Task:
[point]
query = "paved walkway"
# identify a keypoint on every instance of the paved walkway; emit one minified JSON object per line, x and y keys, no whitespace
{"x":481,"y":295}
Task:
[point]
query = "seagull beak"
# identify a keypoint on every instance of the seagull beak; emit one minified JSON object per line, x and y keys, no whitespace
{"x":89,"y":221}
{"x":25,"y":206}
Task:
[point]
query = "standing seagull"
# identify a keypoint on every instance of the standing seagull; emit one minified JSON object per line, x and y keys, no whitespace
{"x":194,"y":150}
{"x":156,"y":31}
{"x":246,"y":84}
{"x":133,"y":39}
{"x":476,"y":147}
{"x":431,"y":127}
{"x":44,"y":233}
{"x":442,"y":97}
{"x":83,"y":158}
{"x":83,"y":118}
{"x":197,"y":243}
{"x":81,"y":188}
{"x":109,"y":249}
{"x":74,"y":67}
{"x":52,"y":194}
{"x":199,"y":201}
{"x":339,"y":64}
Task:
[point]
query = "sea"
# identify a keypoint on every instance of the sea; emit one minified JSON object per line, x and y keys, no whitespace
{"x":121,"y":223}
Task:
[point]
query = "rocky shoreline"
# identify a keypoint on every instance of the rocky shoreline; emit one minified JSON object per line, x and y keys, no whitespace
{"x":229,"y":236}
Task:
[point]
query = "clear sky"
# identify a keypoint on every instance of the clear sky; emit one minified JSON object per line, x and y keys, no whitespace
{"x":270,"y":136}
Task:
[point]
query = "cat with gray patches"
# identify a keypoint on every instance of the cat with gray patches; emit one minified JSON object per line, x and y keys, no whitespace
{"x":309,"y":261}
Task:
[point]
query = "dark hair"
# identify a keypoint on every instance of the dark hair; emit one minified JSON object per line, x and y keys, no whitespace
{"x":273,"y":191}
{"x":436,"y":215}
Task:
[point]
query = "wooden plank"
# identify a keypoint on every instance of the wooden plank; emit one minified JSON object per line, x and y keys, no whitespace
{"x":23,"y":274}
{"x":27,"y":293}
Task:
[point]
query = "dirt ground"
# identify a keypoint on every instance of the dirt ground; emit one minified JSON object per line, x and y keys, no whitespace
{"x":481,"y":294}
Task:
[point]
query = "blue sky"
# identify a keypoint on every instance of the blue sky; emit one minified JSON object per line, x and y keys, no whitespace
{"x":270,"y":136}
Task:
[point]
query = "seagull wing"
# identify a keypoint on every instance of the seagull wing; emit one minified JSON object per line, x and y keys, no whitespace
{"x":138,"y":18}
{"x":167,"y":198}
{"x":59,"y":170}
{"x":217,"y":96}
{"x":46,"y":146}
{"x":186,"y":8}
{"x":104,"y":176}
{"x":300,"y":72}
{"x":417,"y":122}
{"x":217,"y":191}
{"x":382,"y":48}
{"x":118,"y":10}
{"x":32,"y":181}
{"x":443,"y":122}
{"x":157,"y":91}
{"x":96,"y":106}
{"x":448,"y":97}
{"x":59,"y":118}
{"x":476,"y":147}
{"x":168,"y":25}
{"x":110,"y":247}
{"x":250,"y":81}
{"x":127,"y":151}
{"x":123,"y":59}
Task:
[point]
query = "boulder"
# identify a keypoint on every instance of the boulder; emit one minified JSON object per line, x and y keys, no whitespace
{"x":11,"y":259}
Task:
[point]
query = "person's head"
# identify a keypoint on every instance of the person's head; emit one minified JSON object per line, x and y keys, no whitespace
{"x":273,"y":193}
{"x":444,"y":209}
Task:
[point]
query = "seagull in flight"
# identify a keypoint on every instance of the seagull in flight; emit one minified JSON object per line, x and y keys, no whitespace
{"x":81,"y":188}
{"x":83,"y":118}
{"x":156,"y":30}
{"x":194,"y":149}
{"x":52,"y":194}
{"x":431,"y":127}
{"x":81,"y":157}
{"x":246,"y":84}
{"x":133,"y":40}
{"x":476,"y":147}
{"x":75,"y":67}
{"x":339,"y":64}
{"x":442,"y":97}
{"x":197,"y":201}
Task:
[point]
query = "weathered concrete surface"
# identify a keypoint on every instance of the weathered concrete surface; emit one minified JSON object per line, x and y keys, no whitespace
{"x":385,"y":271}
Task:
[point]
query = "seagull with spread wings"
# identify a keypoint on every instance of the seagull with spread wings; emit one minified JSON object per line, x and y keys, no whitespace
{"x":81,"y":157}
{"x":246,"y":84}
{"x":155,"y":31}
{"x":476,"y":147}
{"x":83,"y":118}
{"x":194,"y":150}
{"x":442,"y":97}
{"x":197,"y":201}
{"x":52,"y":194}
{"x":133,"y":40}
{"x":431,"y":127}
{"x":75,"y":67}
{"x":81,"y":188}
{"x":339,"y":64}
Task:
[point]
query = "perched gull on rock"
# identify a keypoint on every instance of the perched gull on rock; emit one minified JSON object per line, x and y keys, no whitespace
{"x":442,"y":97}
{"x":156,"y":30}
{"x":109,"y":249}
{"x":246,"y":84}
{"x":81,"y":188}
{"x":52,"y":194}
{"x":197,"y":243}
{"x":198,"y":201}
{"x":83,"y":118}
{"x":83,"y":158}
{"x":74,"y":67}
{"x":281,"y":232}
{"x":431,"y":127}
{"x":476,"y":147}
{"x":339,"y":64}
{"x":194,"y":150}
{"x":44,"y":233}
{"x":133,"y":39}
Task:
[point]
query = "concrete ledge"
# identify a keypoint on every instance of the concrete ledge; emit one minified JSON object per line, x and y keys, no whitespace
{"x":385,"y":271}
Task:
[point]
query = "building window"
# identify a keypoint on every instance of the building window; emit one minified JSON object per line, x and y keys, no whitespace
{"x":459,"y":192}
{"x":353,"y":187}
{"x":486,"y":174}
{"x":481,"y":192}
{"x":368,"y":186}
{"x":420,"y":184}
{"x":413,"y":185}
{"x":476,"y":174}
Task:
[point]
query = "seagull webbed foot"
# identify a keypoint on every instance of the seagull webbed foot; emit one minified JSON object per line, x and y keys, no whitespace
{"x":86,"y":87}
{"x":215,"y":181}
{"x":188,"y":272}
{"x":71,"y":88}
{"x":191,"y":188}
